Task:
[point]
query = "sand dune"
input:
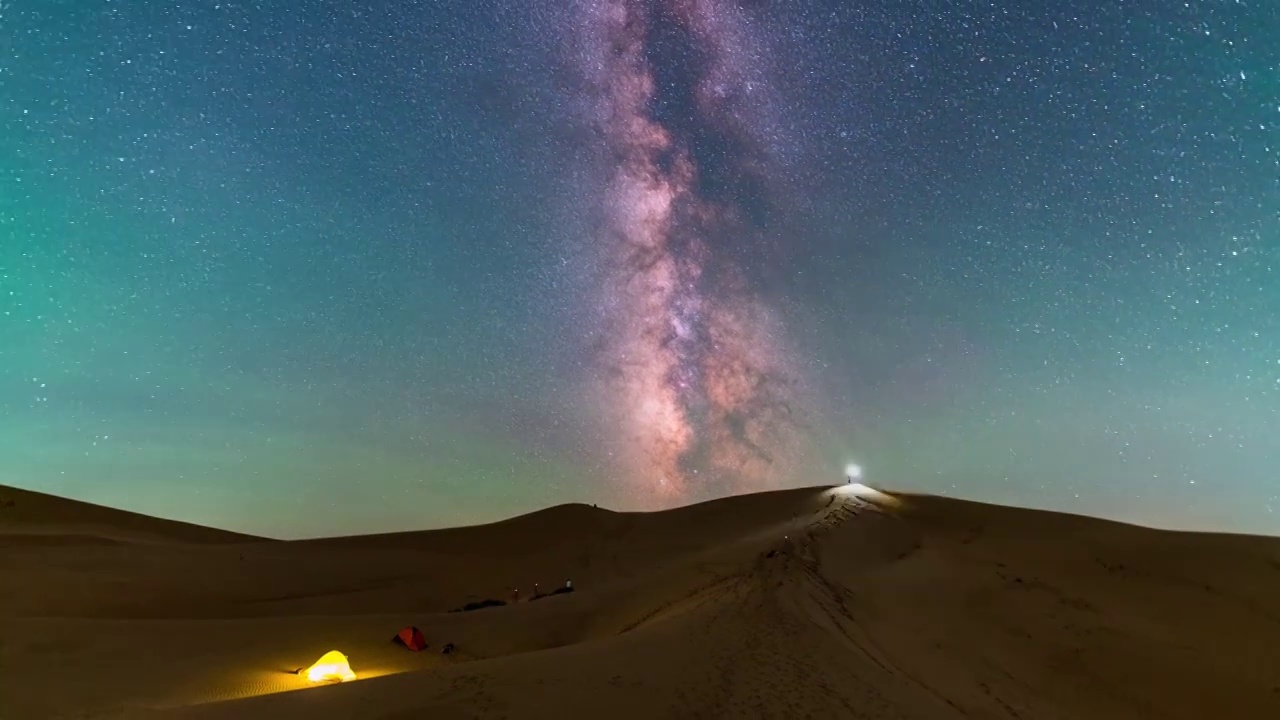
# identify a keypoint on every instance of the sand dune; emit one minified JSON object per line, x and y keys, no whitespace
{"x":811,"y":603}
{"x":32,"y":518}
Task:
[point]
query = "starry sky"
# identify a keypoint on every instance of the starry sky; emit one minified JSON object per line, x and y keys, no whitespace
{"x":306,"y":267}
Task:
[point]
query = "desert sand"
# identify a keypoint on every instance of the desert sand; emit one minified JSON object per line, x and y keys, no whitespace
{"x":810,"y":603}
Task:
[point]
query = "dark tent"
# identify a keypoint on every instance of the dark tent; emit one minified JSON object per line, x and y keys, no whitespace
{"x":410,"y":637}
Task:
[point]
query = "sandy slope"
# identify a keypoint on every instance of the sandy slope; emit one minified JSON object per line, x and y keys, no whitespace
{"x":32,"y":518}
{"x":798,"y":604}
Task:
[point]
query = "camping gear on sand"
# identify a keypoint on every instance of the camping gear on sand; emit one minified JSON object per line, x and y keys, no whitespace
{"x":331,"y":667}
{"x":410,"y":637}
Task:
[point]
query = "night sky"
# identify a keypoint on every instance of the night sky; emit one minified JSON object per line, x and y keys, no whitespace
{"x":304,"y":268}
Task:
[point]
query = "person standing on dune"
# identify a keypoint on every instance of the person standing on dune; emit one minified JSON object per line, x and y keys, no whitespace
{"x":852,"y":473}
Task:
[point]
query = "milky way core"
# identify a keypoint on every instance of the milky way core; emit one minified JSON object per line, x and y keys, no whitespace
{"x":694,"y":374}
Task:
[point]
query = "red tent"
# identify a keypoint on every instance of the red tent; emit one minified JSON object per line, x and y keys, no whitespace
{"x":410,"y":637}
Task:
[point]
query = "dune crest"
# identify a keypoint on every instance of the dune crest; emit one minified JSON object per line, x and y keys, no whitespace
{"x":33,"y":518}
{"x":817,"y":602}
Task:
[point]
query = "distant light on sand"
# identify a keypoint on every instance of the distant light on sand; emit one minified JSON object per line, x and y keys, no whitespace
{"x":853,"y":471}
{"x":332,"y":666}
{"x":865,"y":493}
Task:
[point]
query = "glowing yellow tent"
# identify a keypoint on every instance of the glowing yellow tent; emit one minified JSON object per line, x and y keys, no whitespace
{"x":331,"y":667}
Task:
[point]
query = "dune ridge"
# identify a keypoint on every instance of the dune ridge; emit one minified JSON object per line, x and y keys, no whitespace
{"x":815,"y":602}
{"x":35,"y":518}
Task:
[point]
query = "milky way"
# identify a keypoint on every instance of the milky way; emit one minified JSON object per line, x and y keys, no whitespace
{"x":343,"y":267}
{"x":694,"y":371}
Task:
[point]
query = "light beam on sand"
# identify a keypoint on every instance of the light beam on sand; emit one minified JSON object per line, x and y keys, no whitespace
{"x":866,"y":494}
